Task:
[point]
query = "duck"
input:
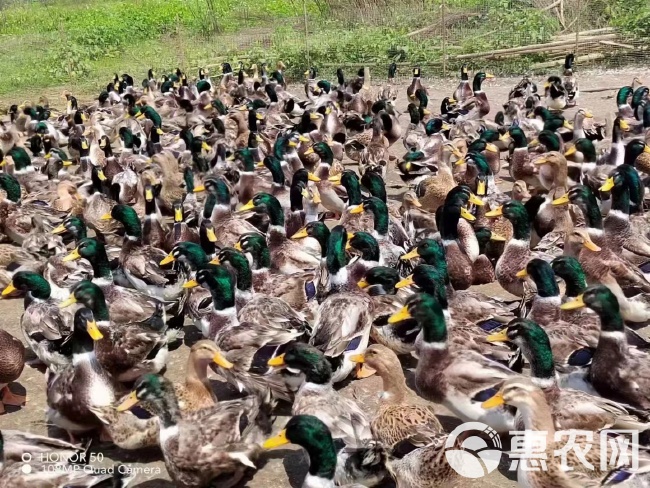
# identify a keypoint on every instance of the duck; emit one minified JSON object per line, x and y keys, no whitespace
{"x":569,"y":81}
{"x":126,"y":351}
{"x":343,"y":320}
{"x":299,"y":289}
{"x":442,"y":373}
{"x":570,"y":408}
{"x":521,"y":167}
{"x":516,"y":253}
{"x":141,"y":262}
{"x":213,"y":437}
{"x":313,"y":435}
{"x":82,"y":384}
{"x":416,"y":84}
{"x":464,"y":91}
{"x":316,"y":396}
{"x":465,"y":306}
{"x":44,"y":326}
{"x":287,"y":255}
{"x":601,"y":265}
{"x":390,"y":252}
{"x":613,"y":360}
{"x":522,"y":394}
{"x":401,"y":416}
{"x":227,"y":227}
{"x":125,"y":304}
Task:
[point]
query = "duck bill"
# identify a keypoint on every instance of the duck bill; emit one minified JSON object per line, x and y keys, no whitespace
{"x":501,"y":336}
{"x":624,"y":125}
{"x":574,"y":304}
{"x":497,"y":212}
{"x":206,"y":147}
{"x":199,"y":189}
{"x":609,"y":184}
{"x":212,"y":237}
{"x":363,"y":371}
{"x":73,"y":256}
{"x":309,"y":150}
{"x":71,"y":300}
{"x":567,"y":125}
{"x":363,"y":284}
{"x":335,"y":179}
{"x":563,"y":200}
{"x":358,"y":209}
{"x":464,"y":213}
{"x":191,"y":284}
{"x":646,"y":149}
{"x":400,"y":316}
{"x":496,"y":401}
{"x":357,"y":358}
{"x":540,"y":161}
{"x":93,"y":330}
{"x":408,"y":281}
{"x":481,"y":189}
{"x":238,"y":246}
{"x":107,"y":216}
{"x":276,"y":441}
{"x":129,"y":402}
{"x":589,"y":244}
{"x":416,"y":203}
{"x":60,"y":229}
{"x":522,"y":274}
{"x":100,"y":173}
{"x":571,"y":151}
{"x":222,"y":361}
{"x":302,"y":138}
{"x":249,"y":206}
{"x":410,"y":255}
{"x":10,"y":288}
{"x":504,"y":137}
{"x":497,"y":237}
{"x":178,"y":215}
{"x":491,"y":148}
{"x":301,"y":234}
{"x":312,"y":177}
{"x":276,"y":361}
{"x":168,"y":259}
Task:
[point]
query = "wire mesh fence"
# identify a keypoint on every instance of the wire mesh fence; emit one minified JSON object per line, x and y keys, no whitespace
{"x":54,"y":43}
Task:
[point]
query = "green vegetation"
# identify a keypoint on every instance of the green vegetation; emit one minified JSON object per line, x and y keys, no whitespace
{"x":48,"y":44}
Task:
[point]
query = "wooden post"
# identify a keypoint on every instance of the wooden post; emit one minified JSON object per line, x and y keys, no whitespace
{"x":444,"y":39}
{"x":578,"y":25}
{"x":304,"y":10}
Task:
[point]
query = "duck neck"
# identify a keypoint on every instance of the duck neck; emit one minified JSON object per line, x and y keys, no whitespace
{"x":394,"y":387}
{"x":101,"y":266}
{"x":621,"y":199}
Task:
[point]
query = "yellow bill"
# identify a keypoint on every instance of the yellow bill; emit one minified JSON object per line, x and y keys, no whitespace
{"x":168,"y":259}
{"x":608,"y":185}
{"x":129,"y":402}
{"x":249,"y":206}
{"x":238,"y":246}
{"x":563,"y":200}
{"x":522,"y":273}
{"x":73,"y":256}
{"x":410,"y":255}
{"x":408,"y":281}
{"x":336,"y":179}
{"x":309,"y":150}
{"x":71,"y":300}
{"x":491,"y":148}
{"x":10,"y":288}
{"x":216,"y":261}
{"x":205,"y":146}
{"x":222,"y":361}
{"x":93,"y":330}
{"x":358,"y":209}
{"x":573,"y":304}
{"x":60,"y":229}
{"x":357,"y":358}
{"x":624,"y":125}
{"x":106,"y":216}
{"x":101,"y":175}
{"x":301,"y":234}
{"x":495,"y":401}
{"x":497,"y":237}
{"x":302,"y":138}
{"x":276,"y":441}
{"x":212,"y":237}
{"x":497,"y":212}
{"x":501,"y":336}
{"x":178,"y":215}
{"x":481,"y":188}
{"x":363,"y":284}
{"x":400,"y":316}
{"x":276,"y":361}
{"x":199,"y":189}
{"x":191,"y":284}
{"x":464,"y":213}
{"x":312,"y":177}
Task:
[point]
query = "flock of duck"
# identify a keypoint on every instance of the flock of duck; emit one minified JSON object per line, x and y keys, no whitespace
{"x":223,"y":201}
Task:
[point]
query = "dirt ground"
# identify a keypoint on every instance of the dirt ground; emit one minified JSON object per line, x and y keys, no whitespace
{"x":287,"y":467}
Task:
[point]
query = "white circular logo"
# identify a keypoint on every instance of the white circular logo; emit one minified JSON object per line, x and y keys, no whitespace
{"x":26,"y":469}
{"x":476,"y":458}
